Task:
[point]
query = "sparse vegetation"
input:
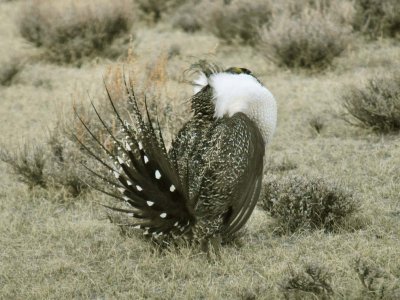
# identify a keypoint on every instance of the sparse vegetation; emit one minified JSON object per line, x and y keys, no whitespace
{"x":72,"y":30}
{"x":309,"y":40}
{"x":311,"y":281}
{"x":377,"y":18}
{"x":299,"y":203}
{"x":376,"y":105}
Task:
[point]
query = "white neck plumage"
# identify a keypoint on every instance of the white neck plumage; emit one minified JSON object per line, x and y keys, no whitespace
{"x":235,"y":93}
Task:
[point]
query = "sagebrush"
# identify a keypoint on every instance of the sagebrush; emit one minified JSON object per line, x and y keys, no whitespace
{"x":301,"y":203}
{"x":239,"y":21}
{"x":312,"y":280}
{"x":310,"y":40}
{"x":377,"y":283}
{"x":377,"y":18}
{"x":72,"y":30}
{"x":154,"y":10}
{"x":376,"y":105}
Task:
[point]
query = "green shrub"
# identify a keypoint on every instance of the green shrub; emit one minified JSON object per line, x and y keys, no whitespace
{"x":301,"y":203}
{"x":72,"y":30}
{"x":376,"y":105}
{"x":309,"y":40}
{"x":377,"y":18}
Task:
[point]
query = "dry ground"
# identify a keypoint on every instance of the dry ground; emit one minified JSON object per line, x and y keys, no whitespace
{"x":52,"y":246}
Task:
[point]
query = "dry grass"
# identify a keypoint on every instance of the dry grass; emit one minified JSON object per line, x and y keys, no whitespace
{"x":73,"y":30}
{"x":376,"y":106}
{"x":59,"y":247}
{"x":310,"y":40}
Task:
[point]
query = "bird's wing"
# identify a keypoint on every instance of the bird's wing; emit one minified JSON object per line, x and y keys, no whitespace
{"x":235,"y":169}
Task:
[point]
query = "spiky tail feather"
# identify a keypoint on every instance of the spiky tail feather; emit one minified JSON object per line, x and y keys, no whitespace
{"x":146,"y":179}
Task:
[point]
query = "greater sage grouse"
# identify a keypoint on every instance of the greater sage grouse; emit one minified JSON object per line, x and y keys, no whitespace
{"x":207,"y":185}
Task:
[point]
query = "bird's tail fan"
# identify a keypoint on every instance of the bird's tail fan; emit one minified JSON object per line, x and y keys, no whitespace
{"x":145,"y":178}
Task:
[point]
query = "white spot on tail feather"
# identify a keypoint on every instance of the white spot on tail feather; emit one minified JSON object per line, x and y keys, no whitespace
{"x":131,"y":214}
{"x":150,"y":203}
{"x":140,"y":145}
{"x":163,"y":215}
{"x":121,"y":190}
{"x":128,"y":147}
{"x":146,"y":159}
{"x":157,"y":174}
{"x":116,"y":174}
{"x":139,"y":188}
{"x":136,"y":227}
{"x":172,"y":188}
{"x":128,"y":182}
{"x":120,"y":160}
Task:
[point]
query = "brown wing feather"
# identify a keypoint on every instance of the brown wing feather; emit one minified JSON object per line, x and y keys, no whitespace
{"x":234,"y":172}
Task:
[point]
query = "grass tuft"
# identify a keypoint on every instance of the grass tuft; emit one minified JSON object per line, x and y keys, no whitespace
{"x":377,"y":18}
{"x":311,"y":280}
{"x":309,"y":40}
{"x":317,"y":123}
{"x":376,"y":105}
{"x":72,"y":30}
{"x":299,"y":203}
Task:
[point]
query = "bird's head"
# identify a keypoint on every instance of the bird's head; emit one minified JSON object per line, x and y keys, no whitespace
{"x":237,"y":90}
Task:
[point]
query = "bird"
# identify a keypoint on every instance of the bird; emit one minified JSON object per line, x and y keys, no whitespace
{"x":206,"y":185}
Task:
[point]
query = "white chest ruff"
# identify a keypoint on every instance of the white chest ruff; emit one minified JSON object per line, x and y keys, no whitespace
{"x":235,"y":93}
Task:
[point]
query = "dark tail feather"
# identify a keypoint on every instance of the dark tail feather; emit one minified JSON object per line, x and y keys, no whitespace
{"x":146,"y":179}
